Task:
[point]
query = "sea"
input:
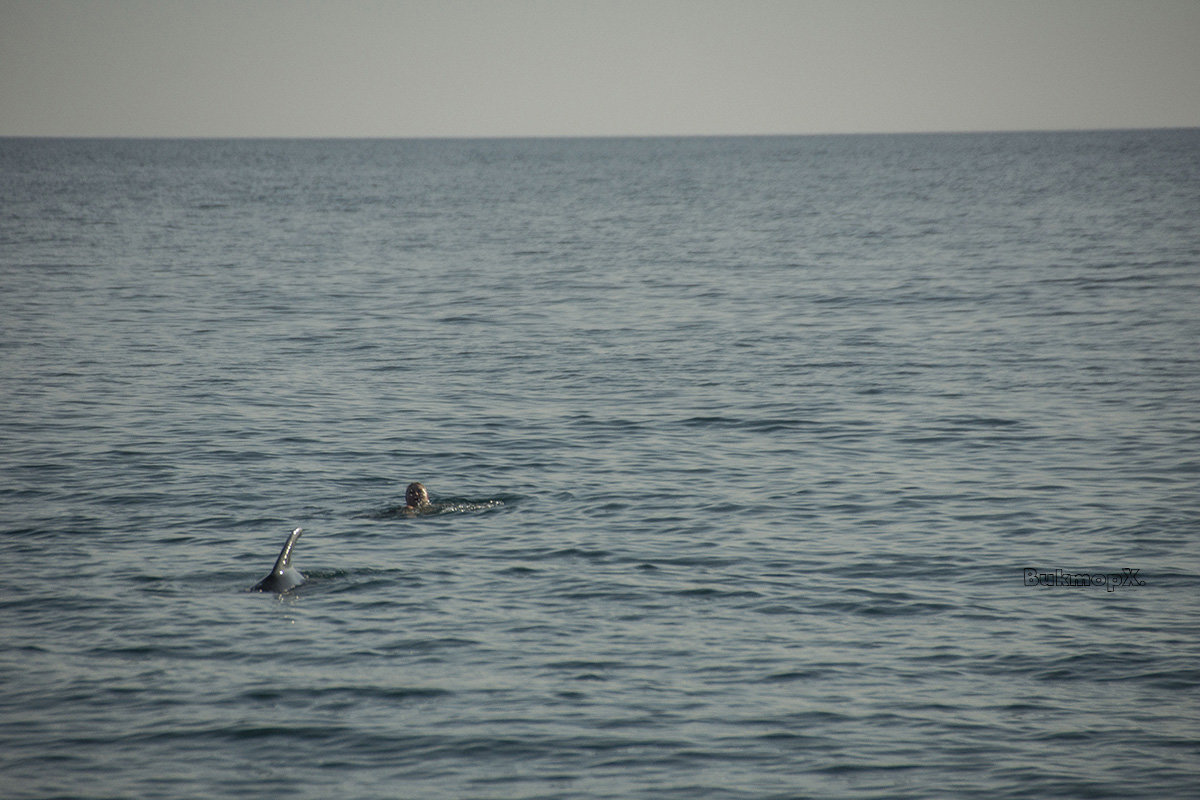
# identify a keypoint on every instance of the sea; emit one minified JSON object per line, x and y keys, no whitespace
{"x":761,"y":467}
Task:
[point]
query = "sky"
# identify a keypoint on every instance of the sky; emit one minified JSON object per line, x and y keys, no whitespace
{"x":464,"y":68}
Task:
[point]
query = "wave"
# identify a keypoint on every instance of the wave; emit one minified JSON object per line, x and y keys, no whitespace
{"x":450,"y":505}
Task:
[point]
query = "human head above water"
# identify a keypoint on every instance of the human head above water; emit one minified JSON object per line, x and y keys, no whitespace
{"x":416,"y":496}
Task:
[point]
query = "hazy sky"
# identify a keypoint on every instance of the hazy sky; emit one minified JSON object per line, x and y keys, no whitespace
{"x":606,"y":67}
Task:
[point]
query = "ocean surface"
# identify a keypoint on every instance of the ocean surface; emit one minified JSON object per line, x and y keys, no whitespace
{"x":787,"y":467}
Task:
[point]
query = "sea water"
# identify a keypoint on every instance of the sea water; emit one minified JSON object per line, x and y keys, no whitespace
{"x":787,"y":467}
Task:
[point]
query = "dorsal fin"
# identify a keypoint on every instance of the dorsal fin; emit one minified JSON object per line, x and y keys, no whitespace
{"x":285,"y":555}
{"x":283,"y":576}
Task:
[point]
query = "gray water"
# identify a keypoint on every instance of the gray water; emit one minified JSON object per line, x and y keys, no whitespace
{"x":740,"y":450}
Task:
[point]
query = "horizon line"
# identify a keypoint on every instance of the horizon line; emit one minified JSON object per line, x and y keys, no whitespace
{"x":539,"y":136}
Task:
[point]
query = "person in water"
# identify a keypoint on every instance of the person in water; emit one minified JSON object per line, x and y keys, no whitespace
{"x":416,"y":500}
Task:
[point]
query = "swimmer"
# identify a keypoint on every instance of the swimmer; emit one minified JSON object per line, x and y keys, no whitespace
{"x":416,"y":500}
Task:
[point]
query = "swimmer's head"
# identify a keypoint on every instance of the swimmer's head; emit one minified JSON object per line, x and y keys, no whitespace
{"x":416,"y":496}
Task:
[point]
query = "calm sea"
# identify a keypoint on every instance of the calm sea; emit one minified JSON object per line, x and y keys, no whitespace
{"x":756,"y":463}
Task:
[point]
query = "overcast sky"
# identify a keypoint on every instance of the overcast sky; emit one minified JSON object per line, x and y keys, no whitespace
{"x":605,"y":67}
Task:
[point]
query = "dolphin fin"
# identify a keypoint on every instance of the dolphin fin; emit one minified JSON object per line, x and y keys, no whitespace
{"x":283,"y":576}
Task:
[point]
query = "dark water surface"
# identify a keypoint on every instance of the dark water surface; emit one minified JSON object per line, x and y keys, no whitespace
{"x":742,"y":447}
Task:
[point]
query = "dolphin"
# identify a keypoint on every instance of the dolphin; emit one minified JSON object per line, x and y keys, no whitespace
{"x":284,"y":576}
